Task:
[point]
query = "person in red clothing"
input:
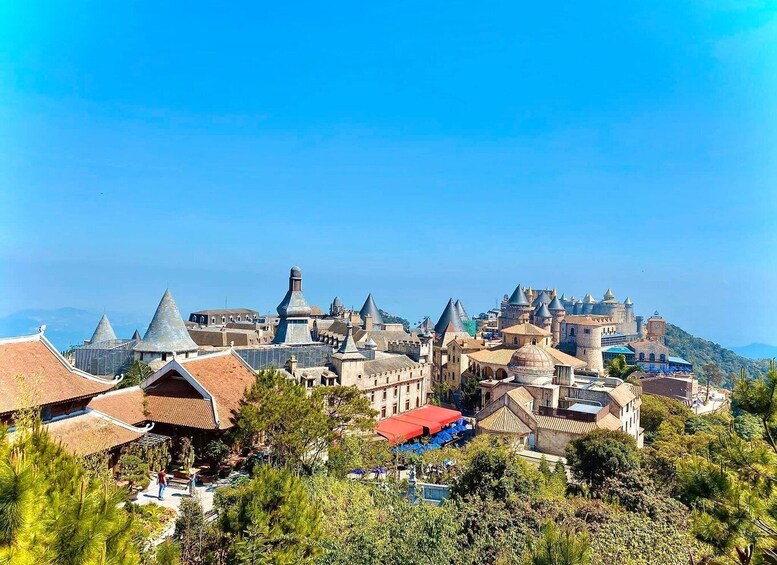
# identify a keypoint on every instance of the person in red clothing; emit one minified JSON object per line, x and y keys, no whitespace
{"x":161,"y":478}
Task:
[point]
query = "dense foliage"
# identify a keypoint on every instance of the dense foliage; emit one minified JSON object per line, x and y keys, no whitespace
{"x":700,"y":352}
{"x":391,"y":319}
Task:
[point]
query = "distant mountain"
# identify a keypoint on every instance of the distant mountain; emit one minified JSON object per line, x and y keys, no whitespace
{"x":700,"y":351}
{"x":756,"y":351}
{"x":66,"y":327}
{"x":391,"y":319}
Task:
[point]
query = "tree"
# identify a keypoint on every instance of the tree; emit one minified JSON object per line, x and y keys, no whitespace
{"x":191,"y":532}
{"x":657,"y":409}
{"x":299,"y":428}
{"x":601,"y":454}
{"x":617,"y":368}
{"x":495,"y":470}
{"x":711,"y":376}
{"x":53,"y":511}
{"x":135,"y":374}
{"x":270,"y":519}
{"x":133,"y":470}
{"x":559,"y":546}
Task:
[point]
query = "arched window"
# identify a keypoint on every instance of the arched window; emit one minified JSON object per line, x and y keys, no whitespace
{"x":572,"y":331}
{"x":641,"y":356}
{"x":534,"y":341}
{"x":652,"y":357}
{"x":663,"y":358}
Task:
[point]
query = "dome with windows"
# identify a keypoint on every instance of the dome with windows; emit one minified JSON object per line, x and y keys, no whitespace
{"x":531,"y":364}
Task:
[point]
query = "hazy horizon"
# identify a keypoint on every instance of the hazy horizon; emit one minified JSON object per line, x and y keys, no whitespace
{"x":418,"y":152}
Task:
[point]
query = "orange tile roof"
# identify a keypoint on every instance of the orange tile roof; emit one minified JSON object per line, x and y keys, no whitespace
{"x":226,"y":378}
{"x":125,"y":405}
{"x":526,"y":329}
{"x":87,"y":433}
{"x":172,"y":400}
{"x":564,"y":358}
{"x":32,"y":371}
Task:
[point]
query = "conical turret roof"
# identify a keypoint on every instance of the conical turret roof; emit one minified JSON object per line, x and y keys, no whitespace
{"x":167,"y":332}
{"x":136,"y":336}
{"x":348,"y":349}
{"x":628,"y":302}
{"x":103,"y":331}
{"x":609,"y":295}
{"x":518,"y":298}
{"x":460,"y":310}
{"x":555,"y":305}
{"x":372,"y":309}
{"x":542,"y":311}
{"x":589,"y":299}
{"x":449,"y":316}
{"x":542,"y":298}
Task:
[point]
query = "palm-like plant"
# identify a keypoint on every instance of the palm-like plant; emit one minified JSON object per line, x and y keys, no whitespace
{"x":619,"y":369}
{"x":559,"y":546}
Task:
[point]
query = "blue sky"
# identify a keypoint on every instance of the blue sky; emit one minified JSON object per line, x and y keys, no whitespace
{"x":414,"y":150}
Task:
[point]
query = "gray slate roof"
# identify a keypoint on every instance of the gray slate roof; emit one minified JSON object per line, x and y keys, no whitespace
{"x":392,"y":363}
{"x":103,"y":331}
{"x":348,"y":349}
{"x":167,"y":332}
{"x":293,"y":305}
{"x":372,"y":309}
{"x":555,"y":304}
{"x":518,"y":297}
{"x":460,"y":310}
{"x":542,"y":311}
{"x":337,"y":301}
{"x":628,"y":302}
{"x":136,"y":336}
{"x":449,"y":316}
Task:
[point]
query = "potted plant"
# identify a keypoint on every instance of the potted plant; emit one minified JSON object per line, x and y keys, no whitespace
{"x":135,"y":472}
{"x":216,"y":452}
{"x":185,"y":458}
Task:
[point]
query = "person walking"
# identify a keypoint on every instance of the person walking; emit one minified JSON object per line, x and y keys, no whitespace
{"x":161,"y":478}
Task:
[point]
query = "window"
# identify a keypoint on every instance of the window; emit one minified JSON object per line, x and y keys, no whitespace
{"x":572,"y":332}
{"x":372,"y":397}
{"x":587,"y":331}
{"x":652,"y":357}
{"x":418,"y":385}
{"x":394,"y":408}
{"x":515,"y":341}
{"x":384,"y":394}
{"x":407,"y":404}
{"x":164,"y":356}
{"x":417,"y":402}
{"x":663,"y":358}
{"x":407,"y":389}
{"x":383,"y":412}
{"x":641,"y":356}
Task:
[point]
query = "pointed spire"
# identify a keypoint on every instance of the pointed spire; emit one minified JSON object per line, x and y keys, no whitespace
{"x":563,"y":297}
{"x":449,"y":316}
{"x":555,"y":305}
{"x":460,"y":310}
{"x":542,"y":311}
{"x":609,"y":295}
{"x":103,"y":331}
{"x":167,"y":332}
{"x":372,"y":309}
{"x":628,"y":302}
{"x":348,"y":349}
{"x":518,"y":298}
{"x":136,"y":336}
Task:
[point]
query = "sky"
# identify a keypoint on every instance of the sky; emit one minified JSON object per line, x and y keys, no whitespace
{"x":415,"y":150}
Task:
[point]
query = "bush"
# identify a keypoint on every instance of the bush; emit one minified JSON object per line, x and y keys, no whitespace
{"x":601,"y":454}
{"x":133,"y":470}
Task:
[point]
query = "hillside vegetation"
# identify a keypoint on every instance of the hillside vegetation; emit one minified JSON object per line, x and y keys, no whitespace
{"x":700,"y":351}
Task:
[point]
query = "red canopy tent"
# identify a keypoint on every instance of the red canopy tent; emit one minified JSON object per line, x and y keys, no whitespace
{"x":428,"y":419}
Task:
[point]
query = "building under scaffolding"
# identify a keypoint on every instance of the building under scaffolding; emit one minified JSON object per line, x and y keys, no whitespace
{"x":262,"y":357}
{"x":105,"y":358}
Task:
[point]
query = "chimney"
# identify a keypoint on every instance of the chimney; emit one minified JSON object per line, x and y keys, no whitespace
{"x":292,"y":364}
{"x":368,"y":322}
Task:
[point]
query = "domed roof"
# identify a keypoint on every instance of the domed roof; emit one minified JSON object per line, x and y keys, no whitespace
{"x":337,"y":301}
{"x":532,"y":360}
{"x":296,"y":273}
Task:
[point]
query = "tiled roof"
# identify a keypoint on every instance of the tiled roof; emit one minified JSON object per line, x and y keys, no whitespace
{"x":608,"y":422}
{"x":526,"y":329}
{"x":622,"y":394}
{"x":226,"y":377}
{"x":348,"y":349}
{"x":172,"y":400}
{"x":167,"y":332}
{"x":32,"y":371}
{"x":584,"y":320}
{"x":504,"y":421}
{"x":125,"y":405}
{"x":520,"y":395}
{"x":562,"y":358}
{"x":493,"y":356}
{"x":87,"y":433}
{"x":392,"y":363}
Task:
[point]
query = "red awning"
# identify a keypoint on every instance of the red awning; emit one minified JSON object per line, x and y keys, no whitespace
{"x":428,"y":419}
{"x":443,"y":416}
{"x":429,"y":427}
{"x":398,"y":431}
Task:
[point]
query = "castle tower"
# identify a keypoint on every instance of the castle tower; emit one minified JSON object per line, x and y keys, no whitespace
{"x":336,"y":309}
{"x":656,"y":328}
{"x":166,"y":335}
{"x":543,"y":317}
{"x":589,"y":348}
{"x":558,"y":314}
{"x":293,"y":327}
{"x":348,"y":361}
